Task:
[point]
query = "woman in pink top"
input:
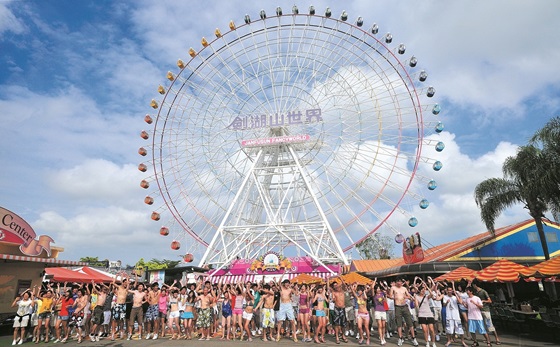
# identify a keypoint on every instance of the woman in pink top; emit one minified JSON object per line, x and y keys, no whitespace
{"x":303,"y":315}
{"x":237,"y":317}
{"x":162,"y":308}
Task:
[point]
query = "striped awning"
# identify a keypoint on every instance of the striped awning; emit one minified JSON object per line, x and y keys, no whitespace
{"x":41,"y":260}
{"x":457,"y":275}
{"x":546,"y":268}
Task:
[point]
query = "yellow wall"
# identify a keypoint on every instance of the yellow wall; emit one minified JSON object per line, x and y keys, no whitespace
{"x":10,"y":273}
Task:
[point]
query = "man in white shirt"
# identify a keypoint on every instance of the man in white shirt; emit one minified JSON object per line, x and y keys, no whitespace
{"x":452,"y":317}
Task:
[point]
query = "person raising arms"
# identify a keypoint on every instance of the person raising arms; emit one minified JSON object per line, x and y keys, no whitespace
{"x":400,"y":294}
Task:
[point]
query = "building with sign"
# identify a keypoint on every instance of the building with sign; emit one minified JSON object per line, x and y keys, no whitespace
{"x":24,"y":257}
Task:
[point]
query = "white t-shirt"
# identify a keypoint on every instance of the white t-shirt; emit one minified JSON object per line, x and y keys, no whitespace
{"x":424,"y":306}
{"x":435,"y":303}
{"x":391,"y":304}
{"x":452,"y":308}
{"x":24,"y":307}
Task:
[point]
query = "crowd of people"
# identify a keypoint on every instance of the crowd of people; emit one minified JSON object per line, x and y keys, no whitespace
{"x":374,"y":311}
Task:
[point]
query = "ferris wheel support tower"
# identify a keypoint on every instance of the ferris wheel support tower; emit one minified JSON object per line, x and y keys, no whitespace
{"x":279,"y":181}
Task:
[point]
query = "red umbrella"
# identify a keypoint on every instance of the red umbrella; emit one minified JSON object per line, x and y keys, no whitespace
{"x":457,"y":274}
{"x":503,"y":271}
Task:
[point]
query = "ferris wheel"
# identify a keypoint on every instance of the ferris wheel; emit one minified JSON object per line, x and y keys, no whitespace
{"x":297,"y":133}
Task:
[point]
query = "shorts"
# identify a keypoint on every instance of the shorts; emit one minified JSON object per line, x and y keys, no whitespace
{"x":402,"y":313}
{"x":136,"y":314}
{"x":286,"y":311}
{"x":426,"y":320}
{"x":97,"y":316}
{"x":21,"y":322}
{"x":34,"y":319}
{"x":267,"y":318}
{"x":437,"y":313}
{"x":247,"y":315}
{"x":320,"y":313}
{"x":453,"y":327}
{"x":174,"y":314}
{"x":380,"y":315}
{"x":363,"y":315}
{"x":119,"y":312}
{"x":476,"y":326}
{"x":106,"y":317}
{"x":45,"y":315}
{"x":487,"y":318}
{"x":152,"y":312}
{"x":63,"y":318}
{"x":339,"y":316}
{"x":350,"y":313}
{"x":204,"y":318}
{"x":162,"y":314}
{"x":77,"y":319}
{"x":304,"y":310}
{"x":237,"y":311}
{"x":187,"y":315}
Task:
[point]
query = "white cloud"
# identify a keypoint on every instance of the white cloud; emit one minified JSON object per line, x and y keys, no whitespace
{"x":99,"y":180}
{"x":111,"y":232}
{"x":9,"y":22}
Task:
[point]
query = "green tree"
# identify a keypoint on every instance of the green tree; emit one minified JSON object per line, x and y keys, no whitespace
{"x":94,"y":261}
{"x":522,"y":183}
{"x":376,"y":246}
{"x":548,"y":139}
{"x":156,"y":264}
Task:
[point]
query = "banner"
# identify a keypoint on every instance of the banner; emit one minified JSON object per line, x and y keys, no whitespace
{"x":13,"y":229}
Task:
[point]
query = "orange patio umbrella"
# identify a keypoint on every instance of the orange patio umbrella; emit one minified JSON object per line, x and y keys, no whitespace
{"x":306,"y":279}
{"x":353,"y":277}
{"x":503,"y":271}
{"x":546,"y":268}
{"x":457,"y":274}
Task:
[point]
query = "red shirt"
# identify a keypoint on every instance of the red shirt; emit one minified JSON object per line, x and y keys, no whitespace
{"x":66,"y":302}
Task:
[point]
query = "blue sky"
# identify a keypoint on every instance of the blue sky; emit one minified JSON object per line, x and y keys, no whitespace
{"x":76,"y":78}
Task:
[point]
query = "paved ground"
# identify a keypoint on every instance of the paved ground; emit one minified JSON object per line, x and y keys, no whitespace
{"x":507,"y":341}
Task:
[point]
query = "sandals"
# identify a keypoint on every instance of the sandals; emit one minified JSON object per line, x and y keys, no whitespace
{"x":474,"y":344}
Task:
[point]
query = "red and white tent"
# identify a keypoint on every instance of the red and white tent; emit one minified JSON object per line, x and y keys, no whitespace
{"x":83,"y":274}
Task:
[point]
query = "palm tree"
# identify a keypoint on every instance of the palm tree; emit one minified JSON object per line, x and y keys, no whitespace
{"x":548,"y":138}
{"x":523,"y":179}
